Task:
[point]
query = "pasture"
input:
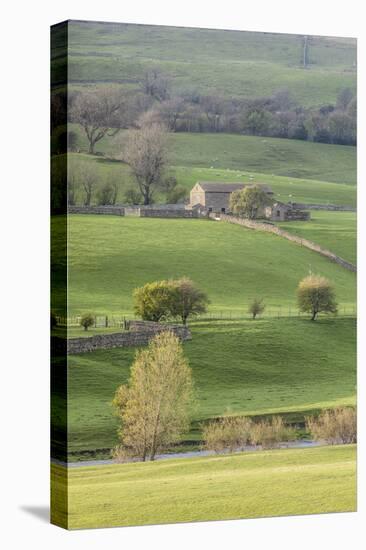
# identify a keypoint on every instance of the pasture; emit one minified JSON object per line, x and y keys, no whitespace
{"x":336,"y":231}
{"x":286,"y":365}
{"x":268,"y":483}
{"x":109,"y":256}
{"x":288,"y":158}
{"x":224,"y":62}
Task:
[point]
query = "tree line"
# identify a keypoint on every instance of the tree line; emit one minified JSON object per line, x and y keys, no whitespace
{"x":104,"y":111}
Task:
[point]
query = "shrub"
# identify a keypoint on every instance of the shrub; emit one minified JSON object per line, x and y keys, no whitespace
{"x":107,"y":194}
{"x":227,"y":434}
{"x":270,"y":433}
{"x":87,"y":321}
{"x":334,"y":426}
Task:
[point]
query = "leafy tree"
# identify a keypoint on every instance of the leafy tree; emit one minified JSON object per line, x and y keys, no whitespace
{"x":153,"y":405}
{"x":256,"y":307}
{"x":87,"y":321}
{"x":152,"y":301}
{"x":145,"y":153}
{"x":315,"y":294}
{"x":187,"y":299}
{"x":249,"y":201}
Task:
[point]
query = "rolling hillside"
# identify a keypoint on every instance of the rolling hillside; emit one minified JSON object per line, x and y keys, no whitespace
{"x":109,"y":256}
{"x":229,"y":63}
{"x":276,"y":366}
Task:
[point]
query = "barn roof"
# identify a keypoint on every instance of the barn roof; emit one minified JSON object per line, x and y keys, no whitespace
{"x":217,"y":187}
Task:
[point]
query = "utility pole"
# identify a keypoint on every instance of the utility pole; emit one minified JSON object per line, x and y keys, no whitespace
{"x":305,"y":51}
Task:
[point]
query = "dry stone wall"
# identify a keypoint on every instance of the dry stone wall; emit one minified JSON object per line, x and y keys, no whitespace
{"x":139,"y":334}
{"x":332,"y":207}
{"x":269,"y":228}
{"x":111,"y":210}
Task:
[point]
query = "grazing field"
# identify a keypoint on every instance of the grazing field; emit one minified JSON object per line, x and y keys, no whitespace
{"x":336,"y":231}
{"x":281,"y":157}
{"x":268,"y":483}
{"x":286,"y":365}
{"x":227,"y":63}
{"x":109,"y":256}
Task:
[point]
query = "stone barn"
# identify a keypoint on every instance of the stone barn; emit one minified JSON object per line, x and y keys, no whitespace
{"x":281,"y":212}
{"x":215,"y":196}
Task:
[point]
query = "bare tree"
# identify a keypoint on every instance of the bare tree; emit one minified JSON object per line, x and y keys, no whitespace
{"x":214,"y":109}
{"x":156,"y":85}
{"x":98,"y":112}
{"x":88,"y":177}
{"x":146,"y":154}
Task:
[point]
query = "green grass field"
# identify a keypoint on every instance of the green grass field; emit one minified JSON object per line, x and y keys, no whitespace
{"x":243,"y":155}
{"x":226,"y":63}
{"x":286,"y":365}
{"x":336,"y":231}
{"x":110,"y":256}
{"x":269,"y":483}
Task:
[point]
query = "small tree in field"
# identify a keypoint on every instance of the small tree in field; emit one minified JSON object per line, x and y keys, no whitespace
{"x":153,"y":405}
{"x":248,"y":202}
{"x":315,"y":294}
{"x":87,"y":321}
{"x":152,"y":301}
{"x":187,"y":299}
{"x":257,"y":307}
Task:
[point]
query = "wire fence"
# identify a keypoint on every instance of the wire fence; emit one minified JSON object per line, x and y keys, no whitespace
{"x":119,"y":320}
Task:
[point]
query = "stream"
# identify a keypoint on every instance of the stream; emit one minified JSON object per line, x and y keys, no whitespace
{"x":299,"y":444}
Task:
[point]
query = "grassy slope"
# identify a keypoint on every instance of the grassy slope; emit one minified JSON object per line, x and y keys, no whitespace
{"x":110,"y":256}
{"x":269,"y":483}
{"x":282,"y":157}
{"x":334,"y":230}
{"x":285,"y":365}
{"x":228,"y":63}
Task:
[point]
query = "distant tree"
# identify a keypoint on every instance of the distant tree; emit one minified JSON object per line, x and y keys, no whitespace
{"x":214,"y":108}
{"x":87,"y":321}
{"x":107,"y":194}
{"x":249,"y":201}
{"x":256,"y":307}
{"x":187,"y":299}
{"x":154,"y":405}
{"x":156,"y":85}
{"x":132,"y":196}
{"x":344,"y":97}
{"x":315,"y":294}
{"x":170,"y":112}
{"x":98,"y":113}
{"x":342,"y":128}
{"x":174,"y":192}
{"x":258,"y":122}
{"x":152,"y":301}
{"x":146,"y":155}
{"x":88,"y":176}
